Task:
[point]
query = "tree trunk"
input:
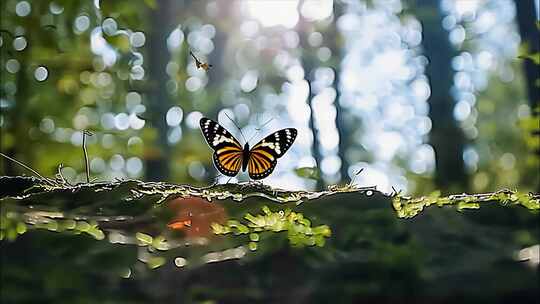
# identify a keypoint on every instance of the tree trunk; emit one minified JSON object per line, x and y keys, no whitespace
{"x":308,"y":65}
{"x":157,"y":164}
{"x":340,"y":118}
{"x":527,"y":14}
{"x":526,"y":19}
{"x":446,"y":136}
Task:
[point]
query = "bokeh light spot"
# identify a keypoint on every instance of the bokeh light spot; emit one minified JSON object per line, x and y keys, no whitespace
{"x":121,"y":121}
{"x":47,"y":125}
{"x":19,"y":43}
{"x":23,"y":9}
{"x":134,"y":166}
{"x":193,"y":84}
{"x":315,"y":39}
{"x":109,"y":26}
{"x":82,"y":23}
{"x":174,"y":135}
{"x":249,"y":81}
{"x":117,"y":162}
{"x":55,"y":8}
{"x":193,"y":118}
{"x":137,"y":39}
{"x":97,"y":165}
{"x":174,"y":116}
{"x":13,"y":66}
{"x":41,"y":73}
{"x":273,"y":13}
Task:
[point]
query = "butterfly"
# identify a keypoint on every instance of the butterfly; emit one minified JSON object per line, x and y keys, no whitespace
{"x":200,"y":65}
{"x":229,"y":156}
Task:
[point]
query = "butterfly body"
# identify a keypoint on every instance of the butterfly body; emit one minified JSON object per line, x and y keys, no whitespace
{"x":245,"y":157}
{"x":229,"y":156}
{"x":200,"y":65}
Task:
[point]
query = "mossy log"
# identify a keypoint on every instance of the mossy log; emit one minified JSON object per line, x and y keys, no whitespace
{"x":164,"y":216}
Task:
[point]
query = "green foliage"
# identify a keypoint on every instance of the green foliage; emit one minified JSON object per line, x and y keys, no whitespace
{"x":535,"y":57}
{"x":505,"y":159}
{"x":407,"y":207}
{"x":11,"y":226}
{"x":363,"y":237}
{"x":298,"y":228}
{"x":308,"y":172}
{"x":524,"y":53}
{"x":114,"y":212}
{"x":14,"y":224}
{"x":530,"y":126}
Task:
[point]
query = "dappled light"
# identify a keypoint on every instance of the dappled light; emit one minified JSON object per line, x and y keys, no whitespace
{"x":269,"y":151}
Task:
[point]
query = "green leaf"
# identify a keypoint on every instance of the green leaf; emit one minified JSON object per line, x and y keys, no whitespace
{"x":151,"y":3}
{"x":252,"y":246}
{"x":21,"y":228}
{"x":82,"y":226}
{"x":254,"y":237}
{"x":307,"y":172}
{"x":534,"y":57}
{"x":467,"y":205}
{"x":120,"y":42}
{"x":155,"y":262}
{"x":160,"y":243}
{"x":144,"y":239}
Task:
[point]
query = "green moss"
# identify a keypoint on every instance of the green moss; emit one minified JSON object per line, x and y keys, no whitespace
{"x":408,"y":207}
{"x":298,"y":228}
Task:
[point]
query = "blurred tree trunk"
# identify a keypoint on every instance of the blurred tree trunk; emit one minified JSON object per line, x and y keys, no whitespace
{"x":19,"y":114}
{"x":218,"y":73}
{"x":446,"y":136}
{"x":308,"y":64}
{"x":157,"y":164}
{"x":315,"y":148}
{"x":337,"y":57}
{"x":530,"y":35}
{"x":18,"y":121}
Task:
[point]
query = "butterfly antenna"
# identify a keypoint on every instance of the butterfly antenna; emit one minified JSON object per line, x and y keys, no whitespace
{"x":260,"y":128}
{"x":355,"y":175}
{"x":264,"y":124}
{"x":215,"y":180}
{"x":242,"y":134}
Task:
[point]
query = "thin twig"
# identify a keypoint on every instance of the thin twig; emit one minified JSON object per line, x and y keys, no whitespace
{"x":85,"y":133}
{"x":60,"y":175}
{"x":27,"y":168}
{"x":395,"y":192}
{"x":355,"y":175}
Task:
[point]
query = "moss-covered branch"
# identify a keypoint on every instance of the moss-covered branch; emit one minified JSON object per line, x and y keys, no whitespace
{"x":165,"y":191}
{"x":408,"y":207}
{"x":168,"y":218}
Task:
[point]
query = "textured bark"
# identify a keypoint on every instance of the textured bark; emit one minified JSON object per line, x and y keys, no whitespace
{"x":526,"y":19}
{"x":308,"y":65}
{"x":340,"y":113}
{"x":157,"y":164}
{"x":446,"y":136}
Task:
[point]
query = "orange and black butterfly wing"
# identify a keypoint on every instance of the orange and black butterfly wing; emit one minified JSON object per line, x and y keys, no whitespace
{"x":263,"y":156}
{"x":227,"y":150}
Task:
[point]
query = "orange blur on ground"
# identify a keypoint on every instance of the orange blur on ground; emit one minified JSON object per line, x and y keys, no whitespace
{"x":194,"y":216}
